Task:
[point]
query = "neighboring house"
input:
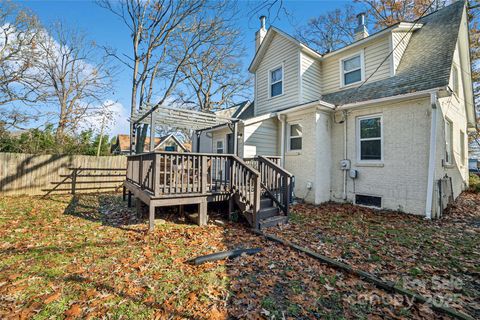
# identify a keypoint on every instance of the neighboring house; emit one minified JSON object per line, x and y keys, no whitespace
{"x":378,"y":122}
{"x":166,"y":143}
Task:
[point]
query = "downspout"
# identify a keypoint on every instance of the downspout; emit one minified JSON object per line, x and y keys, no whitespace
{"x":344,"y":195}
{"x":432,"y":154}
{"x":282,"y":138}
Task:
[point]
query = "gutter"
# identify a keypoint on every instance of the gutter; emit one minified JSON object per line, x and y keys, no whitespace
{"x":432,"y":155}
{"x":320,"y":104}
{"x":391,"y":98}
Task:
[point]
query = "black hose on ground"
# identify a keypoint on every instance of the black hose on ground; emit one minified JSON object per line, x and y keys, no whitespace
{"x":223,"y":255}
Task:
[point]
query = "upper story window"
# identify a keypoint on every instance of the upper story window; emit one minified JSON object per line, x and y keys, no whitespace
{"x":276,"y":82}
{"x":448,"y":142}
{"x":455,"y":83}
{"x":369,"y":138}
{"x":294,"y":137}
{"x":352,"y":69}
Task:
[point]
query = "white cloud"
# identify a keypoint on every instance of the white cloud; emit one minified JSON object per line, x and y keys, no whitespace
{"x":116,"y":119}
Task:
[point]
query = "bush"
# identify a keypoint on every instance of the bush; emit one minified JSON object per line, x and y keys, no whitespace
{"x":474,"y":182}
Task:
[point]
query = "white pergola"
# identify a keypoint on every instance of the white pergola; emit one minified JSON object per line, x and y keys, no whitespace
{"x":179,"y":119}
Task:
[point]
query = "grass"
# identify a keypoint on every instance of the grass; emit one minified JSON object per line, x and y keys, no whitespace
{"x":90,"y":257}
{"x":399,"y":247}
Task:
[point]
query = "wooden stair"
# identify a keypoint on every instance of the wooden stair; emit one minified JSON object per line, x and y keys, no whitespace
{"x":269,"y":215}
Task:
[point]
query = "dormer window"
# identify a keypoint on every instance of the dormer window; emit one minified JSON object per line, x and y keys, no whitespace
{"x":352,"y":69}
{"x":276,"y":82}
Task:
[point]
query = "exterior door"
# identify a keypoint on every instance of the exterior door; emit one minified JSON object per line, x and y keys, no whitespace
{"x":230,"y":144}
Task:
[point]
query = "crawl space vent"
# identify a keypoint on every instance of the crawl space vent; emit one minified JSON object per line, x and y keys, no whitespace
{"x":370,"y":201}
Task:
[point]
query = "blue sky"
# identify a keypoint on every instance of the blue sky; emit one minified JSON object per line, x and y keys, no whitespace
{"x":106,"y":29}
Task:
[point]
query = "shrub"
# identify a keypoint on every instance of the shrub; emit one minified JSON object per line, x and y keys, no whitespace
{"x":474,"y":182}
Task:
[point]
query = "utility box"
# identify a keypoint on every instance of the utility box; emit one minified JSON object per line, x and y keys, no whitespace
{"x":345,"y":164}
{"x":353,"y":173}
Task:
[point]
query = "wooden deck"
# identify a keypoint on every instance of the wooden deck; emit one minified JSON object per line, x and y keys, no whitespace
{"x":171,"y":178}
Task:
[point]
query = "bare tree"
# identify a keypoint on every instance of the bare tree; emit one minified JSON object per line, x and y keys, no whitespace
{"x":75,"y":80}
{"x":214,"y":73}
{"x":158,"y":29}
{"x":19,"y":33}
{"x":329,"y":31}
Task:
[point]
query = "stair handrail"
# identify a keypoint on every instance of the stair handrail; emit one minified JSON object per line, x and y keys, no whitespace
{"x":285,"y":183}
{"x":242,"y":187}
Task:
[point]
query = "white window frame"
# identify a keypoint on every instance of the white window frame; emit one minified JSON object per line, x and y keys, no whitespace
{"x":289,"y":136}
{"x":448,"y":142}
{"x":270,"y":81}
{"x":359,"y":140}
{"x":362,"y":69}
{"x":215,"y":145}
{"x":455,"y":81}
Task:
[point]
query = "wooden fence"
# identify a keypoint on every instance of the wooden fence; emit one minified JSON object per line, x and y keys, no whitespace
{"x":45,"y":174}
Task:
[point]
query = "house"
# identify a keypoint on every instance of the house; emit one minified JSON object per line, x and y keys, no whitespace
{"x":382,"y":122}
{"x":165,"y":143}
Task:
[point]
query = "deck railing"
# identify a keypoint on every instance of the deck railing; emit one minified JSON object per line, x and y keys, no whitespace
{"x":276,"y":182}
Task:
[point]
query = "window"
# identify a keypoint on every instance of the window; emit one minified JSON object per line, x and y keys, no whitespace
{"x":369,"y":135}
{"x":219,"y":146}
{"x":462,"y":148}
{"x":352,"y":70}
{"x":370,"y":201}
{"x":276,"y":82}
{"x":295,"y":137}
{"x":448,"y":142}
{"x":455,"y":80}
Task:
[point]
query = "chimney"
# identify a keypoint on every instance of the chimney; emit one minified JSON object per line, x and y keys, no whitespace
{"x":361,"y":29}
{"x":260,"y":34}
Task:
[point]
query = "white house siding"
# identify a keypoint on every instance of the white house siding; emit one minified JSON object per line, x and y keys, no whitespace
{"x":280,"y":51}
{"x":260,"y":138}
{"x":399,"y":44}
{"x":205,"y":142}
{"x":374,"y":52}
{"x":401,"y":180}
{"x":221,"y":134}
{"x":310,"y":75}
{"x":453,"y":108}
{"x":302,"y":164}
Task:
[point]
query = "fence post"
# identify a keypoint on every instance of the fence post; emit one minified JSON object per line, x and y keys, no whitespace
{"x":74,"y":180}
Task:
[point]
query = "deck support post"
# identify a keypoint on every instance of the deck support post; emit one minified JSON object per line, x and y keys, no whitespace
{"x":138,"y":207}
{"x":202,"y":213}
{"x":129,"y":197}
{"x":230,"y":207}
{"x":151,"y":217}
{"x":181,"y":210}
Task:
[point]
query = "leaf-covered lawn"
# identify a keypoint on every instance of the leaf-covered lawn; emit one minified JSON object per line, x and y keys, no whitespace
{"x":438,"y":259}
{"x":89,"y":257}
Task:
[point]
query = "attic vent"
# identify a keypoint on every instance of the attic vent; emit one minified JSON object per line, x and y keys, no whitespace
{"x":370,"y":201}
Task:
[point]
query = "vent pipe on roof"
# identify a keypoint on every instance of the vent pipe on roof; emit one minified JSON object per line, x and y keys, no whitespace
{"x":361,"y":29}
{"x":260,"y":34}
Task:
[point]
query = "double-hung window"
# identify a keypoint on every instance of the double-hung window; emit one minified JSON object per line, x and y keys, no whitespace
{"x":352,"y":70}
{"x":369,"y":138}
{"x":448,"y":142}
{"x":276,"y":82}
{"x":455,"y":83}
{"x":295,"y":137}
{"x":219,"y":146}
{"x":462,"y":148}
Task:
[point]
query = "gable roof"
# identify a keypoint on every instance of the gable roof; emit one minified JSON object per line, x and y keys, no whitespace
{"x":271,"y":32}
{"x":426,"y":62}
